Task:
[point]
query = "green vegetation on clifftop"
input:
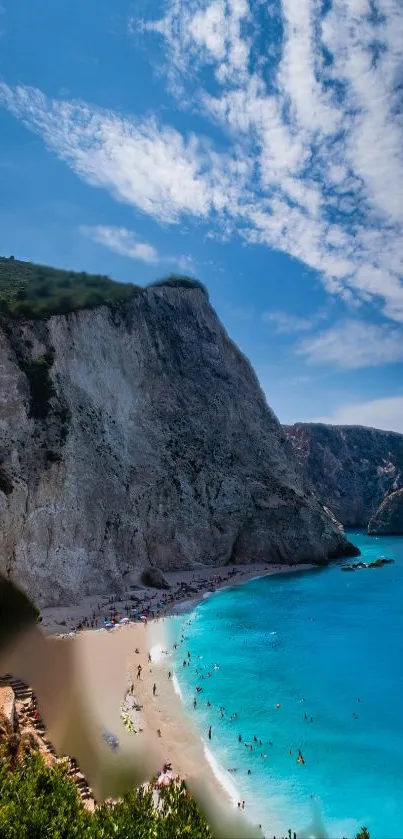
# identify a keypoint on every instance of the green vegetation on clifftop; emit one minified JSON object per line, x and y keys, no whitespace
{"x":29,"y":290}
{"x":35,"y":291}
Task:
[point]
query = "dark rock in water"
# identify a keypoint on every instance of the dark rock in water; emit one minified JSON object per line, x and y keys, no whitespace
{"x":155,"y":578}
{"x":356,"y":566}
{"x":350,"y":468}
{"x":388,"y":519}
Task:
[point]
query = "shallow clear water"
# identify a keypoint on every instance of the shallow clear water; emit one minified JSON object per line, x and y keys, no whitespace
{"x":315,"y":643}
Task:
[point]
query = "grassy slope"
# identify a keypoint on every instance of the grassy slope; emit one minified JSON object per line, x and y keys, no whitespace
{"x":29,"y":290}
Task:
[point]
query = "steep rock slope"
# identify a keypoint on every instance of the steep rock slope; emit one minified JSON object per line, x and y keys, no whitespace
{"x":138,"y":435}
{"x":388,"y":518}
{"x":350,"y":468}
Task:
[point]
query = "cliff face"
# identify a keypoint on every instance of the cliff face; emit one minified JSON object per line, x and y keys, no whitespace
{"x":350,"y":468}
{"x":139,"y":436}
{"x":388,"y":518}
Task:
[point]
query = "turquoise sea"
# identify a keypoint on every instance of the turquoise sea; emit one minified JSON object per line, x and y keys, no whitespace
{"x":327,"y":647}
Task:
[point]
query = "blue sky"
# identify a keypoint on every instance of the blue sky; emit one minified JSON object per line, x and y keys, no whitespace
{"x":256,"y":145}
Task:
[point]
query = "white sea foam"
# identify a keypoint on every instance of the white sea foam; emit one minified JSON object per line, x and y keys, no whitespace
{"x":221,"y":775}
{"x":176,"y":687}
{"x":157,"y":641}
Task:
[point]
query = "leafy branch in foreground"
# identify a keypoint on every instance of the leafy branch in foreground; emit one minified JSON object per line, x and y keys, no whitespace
{"x":37,"y":800}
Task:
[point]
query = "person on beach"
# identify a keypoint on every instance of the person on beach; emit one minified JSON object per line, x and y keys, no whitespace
{"x":154,"y":689}
{"x":194,"y":703}
{"x":169,"y":674}
{"x":139,"y":671}
{"x":209,"y":733}
{"x":149,"y":658}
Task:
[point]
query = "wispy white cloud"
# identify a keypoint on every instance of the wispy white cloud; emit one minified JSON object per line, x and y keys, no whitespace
{"x":286,"y":323}
{"x":313,"y":162}
{"x":354,"y":344}
{"x":384,"y":413}
{"x":124,"y":242}
{"x":325,"y":130}
{"x":141,"y":162}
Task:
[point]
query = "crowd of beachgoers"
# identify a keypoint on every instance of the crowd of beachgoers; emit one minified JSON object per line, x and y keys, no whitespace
{"x":141,"y":602}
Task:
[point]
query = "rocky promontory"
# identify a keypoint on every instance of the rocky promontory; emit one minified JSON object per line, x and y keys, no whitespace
{"x":388,"y":519}
{"x":136,"y":435}
{"x":350,"y":468}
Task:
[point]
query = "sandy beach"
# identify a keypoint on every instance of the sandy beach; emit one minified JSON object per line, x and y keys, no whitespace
{"x":186,"y":587}
{"x":152,"y":703}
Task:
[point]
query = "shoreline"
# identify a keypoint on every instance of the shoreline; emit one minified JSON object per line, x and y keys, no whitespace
{"x":187,"y":589}
{"x":163,"y":715}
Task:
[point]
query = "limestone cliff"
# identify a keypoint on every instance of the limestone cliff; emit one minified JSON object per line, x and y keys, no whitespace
{"x":388,"y":519}
{"x":350,"y":468}
{"x":138,"y":435}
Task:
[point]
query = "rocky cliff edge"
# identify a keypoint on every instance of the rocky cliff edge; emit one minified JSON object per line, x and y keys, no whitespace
{"x":138,"y":435}
{"x":351,"y":468}
{"x":388,"y":519}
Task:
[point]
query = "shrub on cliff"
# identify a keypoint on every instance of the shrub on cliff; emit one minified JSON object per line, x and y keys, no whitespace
{"x":180,"y":281}
{"x":29,"y":290}
{"x":39,"y":801}
{"x":35,"y":291}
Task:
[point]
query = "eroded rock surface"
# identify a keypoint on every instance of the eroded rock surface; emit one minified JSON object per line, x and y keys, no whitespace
{"x":350,"y":468}
{"x":139,"y":436}
{"x":388,"y":519}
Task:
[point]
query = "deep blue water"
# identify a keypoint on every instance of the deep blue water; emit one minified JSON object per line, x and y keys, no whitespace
{"x":315,"y":643}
